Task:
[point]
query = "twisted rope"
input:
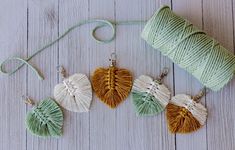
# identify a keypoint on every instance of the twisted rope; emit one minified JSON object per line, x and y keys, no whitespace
{"x":190,"y":48}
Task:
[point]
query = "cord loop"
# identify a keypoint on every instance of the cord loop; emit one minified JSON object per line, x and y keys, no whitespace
{"x":100,"y":24}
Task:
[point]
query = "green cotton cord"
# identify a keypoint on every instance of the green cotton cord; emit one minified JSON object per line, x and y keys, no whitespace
{"x":100,"y":24}
{"x":190,"y":48}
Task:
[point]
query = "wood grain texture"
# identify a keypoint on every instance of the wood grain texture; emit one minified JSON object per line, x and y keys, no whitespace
{"x":184,"y":82}
{"x":28,"y":25}
{"x":74,"y":57}
{"x":140,"y":132}
{"x":218,"y":22}
{"x":13,"y":27}
{"x":103,"y":122}
{"x":42,"y":28}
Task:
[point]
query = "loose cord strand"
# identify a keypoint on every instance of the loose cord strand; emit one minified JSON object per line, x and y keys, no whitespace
{"x":100,"y":24}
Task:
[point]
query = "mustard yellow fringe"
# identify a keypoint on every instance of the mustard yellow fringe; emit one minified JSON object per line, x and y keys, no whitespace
{"x":181,"y":120}
{"x":112,"y":85}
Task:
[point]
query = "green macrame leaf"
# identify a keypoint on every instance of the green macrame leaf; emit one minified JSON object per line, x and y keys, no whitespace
{"x":45,"y":119}
{"x":146,"y":105}
{"x":150,"y":97}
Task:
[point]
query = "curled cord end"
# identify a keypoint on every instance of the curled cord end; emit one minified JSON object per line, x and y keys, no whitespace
{"x":40,"y":77}
{"x":23,"y":62}
{"x":100,"y":24}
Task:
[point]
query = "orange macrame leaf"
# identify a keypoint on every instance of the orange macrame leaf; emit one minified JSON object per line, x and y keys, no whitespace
{"x":181,"y":120}
{"x":112,"y":85}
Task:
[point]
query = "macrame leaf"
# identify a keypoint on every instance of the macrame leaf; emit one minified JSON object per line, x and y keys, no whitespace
{"x":112,"y":85}
{"x":45,"y":119}
{"x":75,"y":93}
{"x":149,"y":97}
{"x":184,"y":115}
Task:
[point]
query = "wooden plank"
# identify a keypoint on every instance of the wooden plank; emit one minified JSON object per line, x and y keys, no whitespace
{"x":42,"y":28}
{"x":102,"y":119}
{"x":186,"y":83}
{"x":13,"y":42}
{"x":134,"y":54}
{"x":74,"y":56}
{"x":218,"y":22}
{"x":103,"y":128}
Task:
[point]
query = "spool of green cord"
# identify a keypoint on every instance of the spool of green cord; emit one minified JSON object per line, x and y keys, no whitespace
{"x":190,"y":48}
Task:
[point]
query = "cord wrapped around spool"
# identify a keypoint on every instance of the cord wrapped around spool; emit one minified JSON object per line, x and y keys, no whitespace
{"x":190,"y":48}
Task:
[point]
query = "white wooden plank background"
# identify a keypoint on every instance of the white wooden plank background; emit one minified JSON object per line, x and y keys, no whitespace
{"x":27,"y":25}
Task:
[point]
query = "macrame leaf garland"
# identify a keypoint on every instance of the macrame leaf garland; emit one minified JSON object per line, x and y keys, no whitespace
{"x":45,"y":119}
{"x":149,"y":97}
{"x":112,"y":85}
{"x":75,"y":93}
{"x":184,"y":115}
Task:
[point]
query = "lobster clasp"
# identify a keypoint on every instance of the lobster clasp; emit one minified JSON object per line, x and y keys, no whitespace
{"x":113,"y":59}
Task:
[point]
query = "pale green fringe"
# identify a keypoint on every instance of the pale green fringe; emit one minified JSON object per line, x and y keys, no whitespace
{"x":145,"y":104}
{"x":46,"y":119}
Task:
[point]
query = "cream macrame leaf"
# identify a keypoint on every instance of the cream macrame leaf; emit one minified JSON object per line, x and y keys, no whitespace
{"x":149,"y":97}
{"x":75,"y":93}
